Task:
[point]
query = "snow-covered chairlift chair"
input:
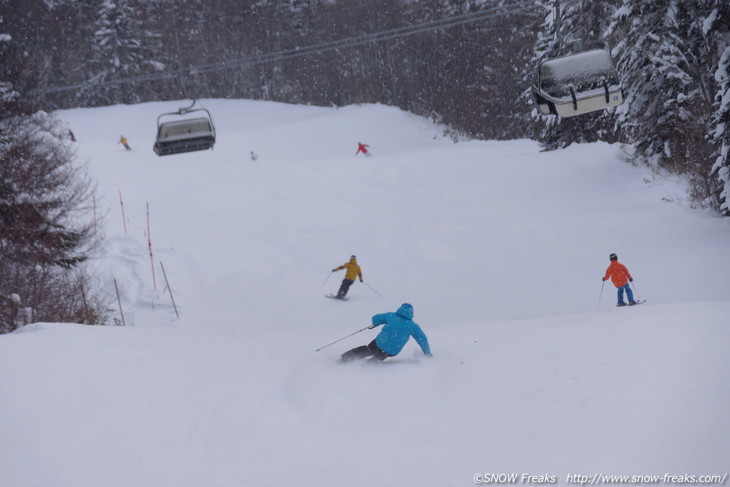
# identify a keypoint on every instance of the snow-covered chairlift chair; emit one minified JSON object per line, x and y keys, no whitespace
{"x":186,"y":134}
{"x":579,"y":82}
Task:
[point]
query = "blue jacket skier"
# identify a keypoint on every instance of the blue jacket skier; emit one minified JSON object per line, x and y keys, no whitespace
{"x":399,"y":328}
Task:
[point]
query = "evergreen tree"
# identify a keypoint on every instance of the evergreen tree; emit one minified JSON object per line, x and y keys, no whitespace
{"x":43,"y":239}
{"x":118,"y":52}
{"x":65,"y":63}
{"x":45,"y":233}
{"x":717,"y":28}
{"x":8,"y":96}
{"x":666,"y":111}
{"x":18,"y":73}
{"x":545,"y":42}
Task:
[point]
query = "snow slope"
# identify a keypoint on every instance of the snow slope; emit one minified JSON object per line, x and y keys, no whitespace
{"x":500,"y":248}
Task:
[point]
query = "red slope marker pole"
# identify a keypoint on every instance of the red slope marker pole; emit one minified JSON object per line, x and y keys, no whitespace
{"x":124,"y":218}
{"x":149,"y":246}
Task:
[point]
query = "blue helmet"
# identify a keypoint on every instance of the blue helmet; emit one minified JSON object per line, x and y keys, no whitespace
{"x":405,"y":310}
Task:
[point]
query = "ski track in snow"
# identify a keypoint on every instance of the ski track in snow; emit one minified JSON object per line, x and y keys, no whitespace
{"x":499,"y":247}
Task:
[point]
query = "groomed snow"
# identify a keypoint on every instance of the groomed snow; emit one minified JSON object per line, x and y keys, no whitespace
{"x":499,"y":247}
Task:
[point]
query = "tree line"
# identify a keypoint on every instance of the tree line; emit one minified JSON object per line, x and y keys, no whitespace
{"x":673,"y":58}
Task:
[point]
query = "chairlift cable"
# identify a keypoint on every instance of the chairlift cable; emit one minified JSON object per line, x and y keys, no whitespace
{"x":342,"y":43}
{"x":390,"y":34}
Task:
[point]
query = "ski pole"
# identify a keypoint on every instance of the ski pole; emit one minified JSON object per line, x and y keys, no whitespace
{"x":328,"y":276}
{"x":376,"y":292}
{"x":600,"y":295}
{"x":358,"y":331}
{"x":638,"y":295}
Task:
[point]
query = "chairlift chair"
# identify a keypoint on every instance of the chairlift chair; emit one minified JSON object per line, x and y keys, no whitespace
{"x":576,"y":83}
{"x":184,"y":135}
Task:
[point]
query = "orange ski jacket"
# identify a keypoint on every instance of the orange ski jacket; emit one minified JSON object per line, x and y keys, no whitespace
{"x":353,"y":270}
{"x":618,"y":273}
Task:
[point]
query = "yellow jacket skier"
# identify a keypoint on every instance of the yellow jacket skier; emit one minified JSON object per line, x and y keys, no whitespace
{"x":353,"y":271}
{"x":123,"y":140}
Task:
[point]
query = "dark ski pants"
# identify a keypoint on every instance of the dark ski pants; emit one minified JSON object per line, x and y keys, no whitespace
{"x":346,"y":283}
{"x":369,"y":350}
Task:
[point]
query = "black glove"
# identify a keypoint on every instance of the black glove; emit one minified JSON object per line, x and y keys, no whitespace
{"x":631,"y":279}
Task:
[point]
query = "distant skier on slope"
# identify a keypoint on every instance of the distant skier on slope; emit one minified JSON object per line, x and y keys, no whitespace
{"x":363,"y":148}
{"x":399,"y":328}
{"x":620,"y":277}
{"x":353,"y":271}
{"x":123,"y":140}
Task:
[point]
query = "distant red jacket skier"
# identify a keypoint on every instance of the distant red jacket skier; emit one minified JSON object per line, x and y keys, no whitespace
{"x":362,"y":148}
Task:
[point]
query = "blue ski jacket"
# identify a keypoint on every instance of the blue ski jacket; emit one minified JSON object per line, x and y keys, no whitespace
{"x":399,"y":328}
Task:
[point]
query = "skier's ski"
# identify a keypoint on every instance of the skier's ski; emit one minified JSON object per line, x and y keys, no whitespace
{"x":370,"y":362}
{"x":638,"y":301}
{"x":391,"y":361}
{"x":332,"y":296}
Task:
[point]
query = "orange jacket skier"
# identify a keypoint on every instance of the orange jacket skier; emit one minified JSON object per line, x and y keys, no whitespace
{"x":620,"y":277}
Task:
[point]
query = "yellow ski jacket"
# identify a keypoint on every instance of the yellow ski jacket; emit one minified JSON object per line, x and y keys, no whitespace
{"x":353,"y":270}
